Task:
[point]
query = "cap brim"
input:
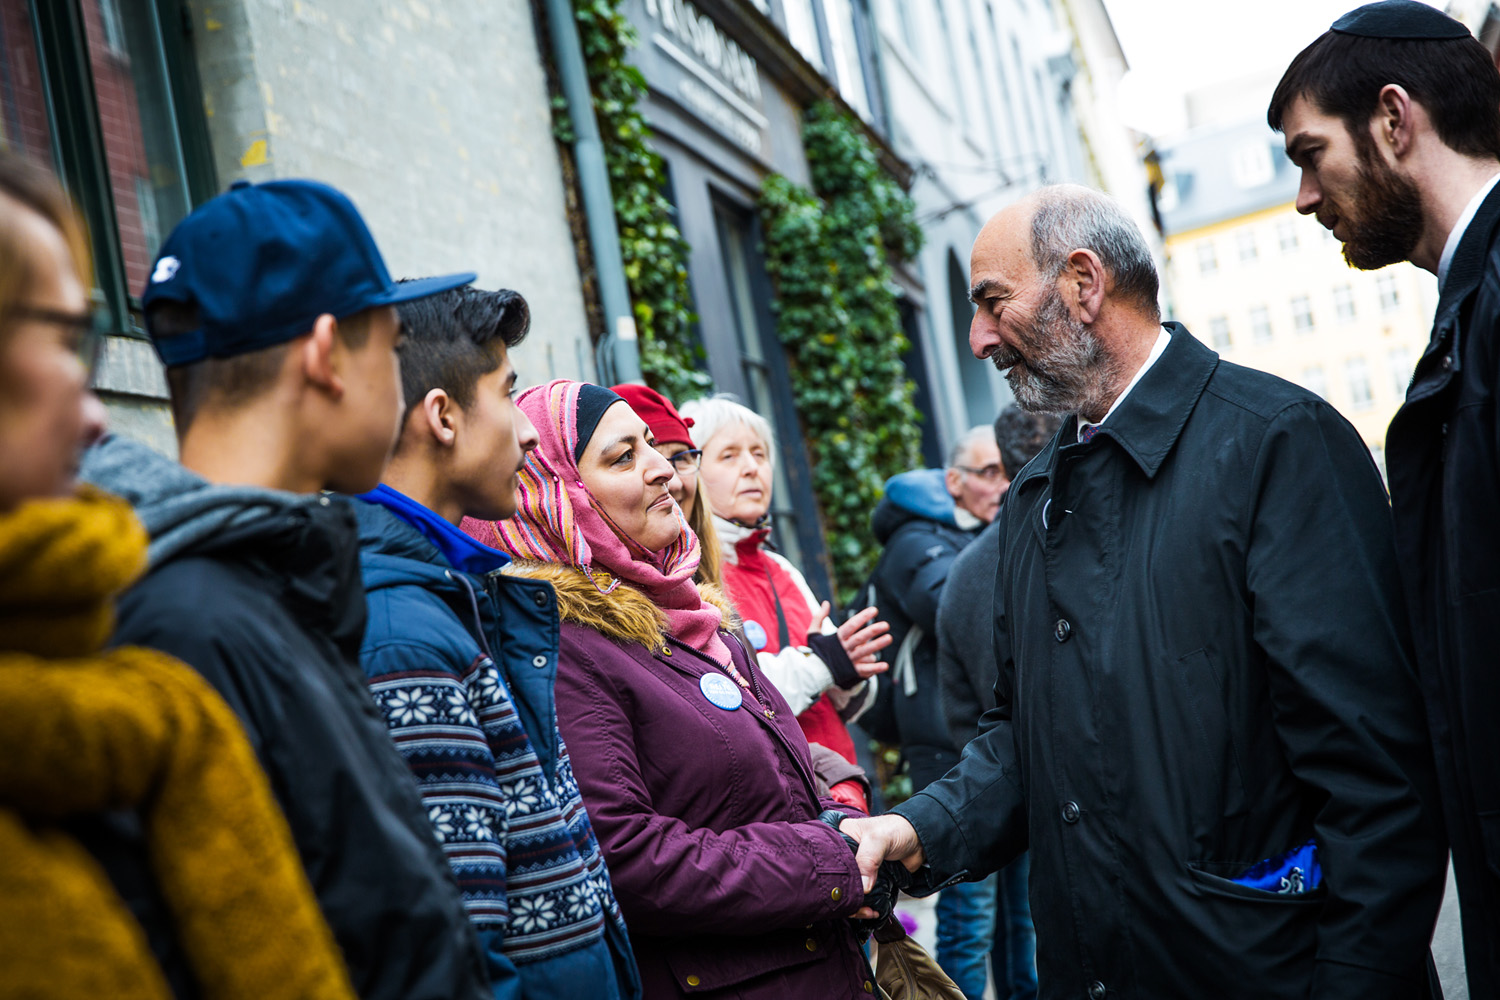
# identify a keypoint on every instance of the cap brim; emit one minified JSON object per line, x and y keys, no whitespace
{"x":420,"y":288}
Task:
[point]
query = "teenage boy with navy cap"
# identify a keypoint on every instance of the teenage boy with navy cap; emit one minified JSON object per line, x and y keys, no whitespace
{"x":1393,"y":115}
{"x":275,"y":316}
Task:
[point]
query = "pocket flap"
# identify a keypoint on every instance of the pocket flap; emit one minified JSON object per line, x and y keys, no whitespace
{"x":702,"y":965}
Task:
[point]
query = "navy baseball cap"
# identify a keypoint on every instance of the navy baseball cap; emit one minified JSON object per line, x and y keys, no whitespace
{"x":262,"y":262}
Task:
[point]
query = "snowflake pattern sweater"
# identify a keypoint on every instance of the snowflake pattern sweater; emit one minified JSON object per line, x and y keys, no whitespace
{"x":481,"y":738}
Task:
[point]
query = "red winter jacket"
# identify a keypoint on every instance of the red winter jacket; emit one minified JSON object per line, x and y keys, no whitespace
{"x":756,"y":578}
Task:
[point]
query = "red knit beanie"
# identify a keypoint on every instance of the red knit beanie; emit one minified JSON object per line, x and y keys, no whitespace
{"x":658,"y":412}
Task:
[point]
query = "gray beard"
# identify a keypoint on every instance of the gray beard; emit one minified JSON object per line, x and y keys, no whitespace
{"x":1066,"y":369}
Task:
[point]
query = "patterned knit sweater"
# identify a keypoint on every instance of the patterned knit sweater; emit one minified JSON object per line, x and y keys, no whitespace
{"x":481,"y":738}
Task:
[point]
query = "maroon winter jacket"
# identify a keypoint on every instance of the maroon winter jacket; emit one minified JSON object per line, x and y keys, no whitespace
{"x":707,"y":817}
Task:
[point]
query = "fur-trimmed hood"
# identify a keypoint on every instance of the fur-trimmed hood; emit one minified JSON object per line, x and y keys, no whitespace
{"x":624,"y":613}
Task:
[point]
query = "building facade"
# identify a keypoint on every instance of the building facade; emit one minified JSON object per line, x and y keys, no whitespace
{"x":728,"y":83}
{"x":988,"y":100}
{"x":1269,"y":288}
{"x":434,"y":117}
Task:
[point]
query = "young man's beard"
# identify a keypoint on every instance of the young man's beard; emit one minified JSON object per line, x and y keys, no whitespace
{"x":1387,"y":220}
{"x":1065,"y":368}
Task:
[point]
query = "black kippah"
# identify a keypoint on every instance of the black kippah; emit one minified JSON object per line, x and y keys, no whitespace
{"x":593,"y":400}
{"x":1404,"y":20}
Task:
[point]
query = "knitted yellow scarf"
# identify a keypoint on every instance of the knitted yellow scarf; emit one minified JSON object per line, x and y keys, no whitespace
{"x":83,"y":731}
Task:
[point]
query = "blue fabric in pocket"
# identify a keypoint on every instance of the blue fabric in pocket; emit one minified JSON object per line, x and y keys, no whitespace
{"x":1294,"y":872}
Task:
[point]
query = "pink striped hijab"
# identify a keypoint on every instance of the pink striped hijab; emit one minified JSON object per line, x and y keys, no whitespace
{"x":557,"y":521}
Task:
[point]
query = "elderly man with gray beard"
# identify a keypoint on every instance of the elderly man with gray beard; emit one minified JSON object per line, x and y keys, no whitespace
{"x":1208,"y":730}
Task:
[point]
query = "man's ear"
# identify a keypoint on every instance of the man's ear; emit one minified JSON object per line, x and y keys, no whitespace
{"x":441,"y":415}
{"x":1086,"y":276}
{"x":950,"y":479}
{"x":1394,"y":123}
{"x":320,"y":366}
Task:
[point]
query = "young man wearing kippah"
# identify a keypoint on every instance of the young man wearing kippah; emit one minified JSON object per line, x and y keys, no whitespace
{"x":462,"y":661}
{"x":1394,"y":117}
{"x":275,"y":316}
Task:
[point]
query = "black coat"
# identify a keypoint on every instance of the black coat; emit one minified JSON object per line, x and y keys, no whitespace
{"x":1204,"y":662}
{"x":1443,"y":456}
{"x":966,"y":637}
{"x":915,"y":524}
{"x":271,"y":612}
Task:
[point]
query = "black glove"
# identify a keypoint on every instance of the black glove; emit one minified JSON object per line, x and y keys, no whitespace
{"x":890,"y":879}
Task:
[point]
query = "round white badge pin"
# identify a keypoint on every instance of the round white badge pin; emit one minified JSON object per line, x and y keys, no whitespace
{"x":720,"y":691}
{"x":755,"y":633}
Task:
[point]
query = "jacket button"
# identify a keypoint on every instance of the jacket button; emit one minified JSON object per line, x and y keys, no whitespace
{"x":539,"y":598}
{"x":1097,"y":990}
{"x":812,"y":945}
{"x":1070,"y":813}
{"x":693,"y":980}
{"x":1447,"y":361}
{"x":538,"y":661}
{"x":1062,"y":630}
{"x":869,"y":986}
{"x":837,"y":894}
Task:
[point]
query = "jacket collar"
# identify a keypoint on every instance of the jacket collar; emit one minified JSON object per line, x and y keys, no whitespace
{"x":1150,"y":420}
{"x":457,"y":549}
{"x":736,"y":539}
{"x":1468,"y":260}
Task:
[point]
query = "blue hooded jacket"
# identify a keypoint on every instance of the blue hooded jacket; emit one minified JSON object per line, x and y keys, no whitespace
{"x":918,"y":524}
{"x":462,"y":665}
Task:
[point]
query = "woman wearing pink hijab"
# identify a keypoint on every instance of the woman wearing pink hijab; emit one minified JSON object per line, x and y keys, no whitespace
{"x":693,"y":769}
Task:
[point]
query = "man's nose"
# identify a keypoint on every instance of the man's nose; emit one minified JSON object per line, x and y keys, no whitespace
{"x":1309,"y":194}
{"x":984,"y":335}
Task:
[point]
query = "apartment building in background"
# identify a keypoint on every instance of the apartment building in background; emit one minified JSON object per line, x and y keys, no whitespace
{"x":1268,"y":288}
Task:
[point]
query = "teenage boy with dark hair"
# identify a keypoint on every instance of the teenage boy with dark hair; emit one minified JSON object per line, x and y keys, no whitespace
{"x":462,"y":661}
{"x":275,"y":315}
{"x":1393,"y":116}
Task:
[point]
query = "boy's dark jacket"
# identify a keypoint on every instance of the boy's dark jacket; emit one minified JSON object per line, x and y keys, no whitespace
{"x":259,"y":591}
{"x":463,"y":665}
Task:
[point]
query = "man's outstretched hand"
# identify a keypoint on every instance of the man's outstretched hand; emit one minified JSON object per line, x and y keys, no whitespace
{"x":882,"y":838}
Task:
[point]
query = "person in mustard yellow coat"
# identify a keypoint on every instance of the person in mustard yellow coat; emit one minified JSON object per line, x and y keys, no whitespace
{"x":87,"y":734}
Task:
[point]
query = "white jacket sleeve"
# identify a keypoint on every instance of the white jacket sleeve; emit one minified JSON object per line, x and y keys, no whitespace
{"x":800,"y":675}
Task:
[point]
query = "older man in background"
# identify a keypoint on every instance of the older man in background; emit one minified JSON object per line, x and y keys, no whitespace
{"x":926,"y":518}
{"x":1207,"y":725}
{"x":966,"y":679}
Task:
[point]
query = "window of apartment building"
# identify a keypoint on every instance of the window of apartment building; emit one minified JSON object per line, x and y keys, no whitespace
{"x":1357,"y":374}
{"x":1250,"y":165}
{"x":1315,"y":380}
{"x":1208,"y":258}
{"x":1246,"y":241}
{"x":1343,"y":303}
{"x":1390,"y":295}
{"x":802,"y":30}
{"x":1302,"y":314}
{"x":1400,"y":364}
{"x":845,"y":56}
{"x":105,"y":93}
{"x":1218,"y":333}
{"x":1286,"y":235}
{"x":1260,"y":325}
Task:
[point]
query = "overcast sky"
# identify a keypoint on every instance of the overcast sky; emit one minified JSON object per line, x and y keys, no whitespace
{"x":1175,"y":46}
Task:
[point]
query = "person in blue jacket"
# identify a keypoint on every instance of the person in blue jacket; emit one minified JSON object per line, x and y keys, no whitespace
{"x":461,"y":660}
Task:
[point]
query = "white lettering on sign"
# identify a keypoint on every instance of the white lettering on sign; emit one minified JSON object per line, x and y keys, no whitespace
{"x":714,"y":50}
{"x":718,"y":114}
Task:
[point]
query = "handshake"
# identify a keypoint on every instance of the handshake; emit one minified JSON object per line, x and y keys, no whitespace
{"x":888,"y":876}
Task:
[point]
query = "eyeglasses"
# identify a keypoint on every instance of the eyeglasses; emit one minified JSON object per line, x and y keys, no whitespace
{"x":81,"y":328}
{"x":686,"y":461}
{"x":990,"y":473}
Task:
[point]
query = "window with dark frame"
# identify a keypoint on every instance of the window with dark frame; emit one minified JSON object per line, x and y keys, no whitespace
{"x":105,"y":93}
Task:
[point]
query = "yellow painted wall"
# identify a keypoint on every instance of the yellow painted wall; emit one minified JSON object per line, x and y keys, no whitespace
{"x":1386,"y":332}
